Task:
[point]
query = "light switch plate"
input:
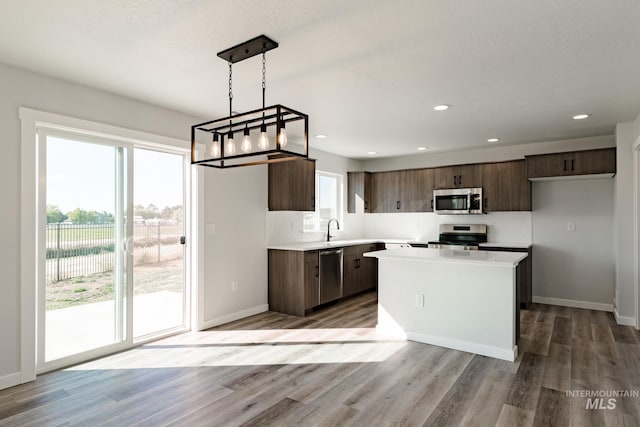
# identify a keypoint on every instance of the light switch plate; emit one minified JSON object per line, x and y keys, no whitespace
{"x":571,"y":226}
{"x":210,"y":229}
{"x":419,"y":300}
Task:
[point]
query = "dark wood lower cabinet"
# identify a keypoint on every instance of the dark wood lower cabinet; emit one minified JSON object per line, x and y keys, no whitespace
{"x":293,"y":281}
{"x":294,"y":277}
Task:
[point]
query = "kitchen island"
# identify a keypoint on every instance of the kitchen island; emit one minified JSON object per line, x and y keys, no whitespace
{"x":465,"y":300}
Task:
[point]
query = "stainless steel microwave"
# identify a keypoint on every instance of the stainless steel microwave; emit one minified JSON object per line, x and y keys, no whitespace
{"x":456,"y":201}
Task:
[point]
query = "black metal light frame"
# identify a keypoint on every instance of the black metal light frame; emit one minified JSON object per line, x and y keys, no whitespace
{"x":277,"y":116}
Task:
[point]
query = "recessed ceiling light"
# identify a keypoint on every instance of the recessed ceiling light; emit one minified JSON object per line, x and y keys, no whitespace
{"x":422,"y":148}
{"x":442,"y":107}
{"x":493,"y":139}
{"x":581,"y":116}
{"x":372,"y":153}
{"x":321,"y":136}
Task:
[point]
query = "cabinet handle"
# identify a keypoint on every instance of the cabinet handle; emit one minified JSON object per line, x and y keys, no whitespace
{"x":572,"y":164}
{"x":366,"y":205}
{"x":313,"y":203}
{"x":431,"y":203}
{"x":398,"y":204}
{"x":455,"y":180}
{"x":317,"y":271}
{"x":459,"y":179}
{"x":565,"y":165}
{"x":485,"y":204}
{"x":357,"y":261}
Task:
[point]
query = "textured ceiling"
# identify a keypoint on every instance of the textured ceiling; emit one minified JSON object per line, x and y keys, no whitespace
{"x":367,"y":73}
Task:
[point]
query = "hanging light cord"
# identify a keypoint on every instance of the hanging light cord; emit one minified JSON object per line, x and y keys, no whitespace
{"x":230,"y":94}
{"x":264,"y":77}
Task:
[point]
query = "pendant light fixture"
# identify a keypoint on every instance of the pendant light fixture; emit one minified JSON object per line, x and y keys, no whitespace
{"x":273,"y":119}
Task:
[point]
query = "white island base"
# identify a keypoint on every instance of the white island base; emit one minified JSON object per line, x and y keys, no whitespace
{"x":464,"y":300}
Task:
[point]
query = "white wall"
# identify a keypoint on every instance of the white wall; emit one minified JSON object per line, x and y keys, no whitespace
{"x":577,"y":267}
{"x":236,"y":201}
{"x":625,"y":293}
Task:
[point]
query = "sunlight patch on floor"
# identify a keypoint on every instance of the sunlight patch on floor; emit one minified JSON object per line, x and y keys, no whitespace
{"x":257,"y":347}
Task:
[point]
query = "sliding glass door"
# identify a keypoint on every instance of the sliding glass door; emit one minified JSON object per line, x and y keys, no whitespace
{"x":111,"y":267}
{"x":158,"y":233}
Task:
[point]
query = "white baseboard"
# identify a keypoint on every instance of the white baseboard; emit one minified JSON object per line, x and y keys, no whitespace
{"x":574,"y":303}
{"x":234,"y":316}
{"x":622,"y":320}
{"x":10,"y":380}
{"x":470,"y":347}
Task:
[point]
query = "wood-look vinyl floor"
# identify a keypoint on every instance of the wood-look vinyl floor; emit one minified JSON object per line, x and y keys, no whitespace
{"x":331,"y":369}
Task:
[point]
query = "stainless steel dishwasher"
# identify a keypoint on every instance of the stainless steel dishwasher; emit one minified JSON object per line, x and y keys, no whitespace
{"x":330,"y":275}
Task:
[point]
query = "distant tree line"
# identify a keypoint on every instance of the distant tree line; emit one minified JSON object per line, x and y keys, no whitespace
{"x":152,"y":212}
{"x":81,"y":216}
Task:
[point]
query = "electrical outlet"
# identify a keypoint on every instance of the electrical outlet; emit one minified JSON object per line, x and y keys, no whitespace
{"x":571,"y":226}
{"x":419,"y":300}
{"x":234,"y":286}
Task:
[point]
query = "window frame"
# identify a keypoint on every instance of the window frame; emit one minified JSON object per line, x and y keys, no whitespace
{"x":313,"y":218}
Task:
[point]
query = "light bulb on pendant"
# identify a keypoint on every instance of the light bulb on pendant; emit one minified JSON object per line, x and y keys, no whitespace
{"x":215,"y":145}
{"x":282,"y":136}
{"x":263,"y":142}
{"x":246,"y":141}
{"x":230,"y":146}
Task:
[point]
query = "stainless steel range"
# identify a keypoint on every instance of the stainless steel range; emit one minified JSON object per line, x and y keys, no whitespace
{"x":460,"y":236}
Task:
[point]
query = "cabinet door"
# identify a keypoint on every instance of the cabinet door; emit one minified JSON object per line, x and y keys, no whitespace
{"x":385,"y":192}
{"x":592,"y":162}
{"x":367,"y":192}
{"x":470,"y":176}
{"x":369,"y":274}
{"x":546,"y":165}
{"x":311,"y":279}
{"x":445,"y":177}
{"x":351,"y":275}
{"x":358,"y":188}
{"x":292,"y":185}
{"x":416,"y":190}
{"x":506,"y":187}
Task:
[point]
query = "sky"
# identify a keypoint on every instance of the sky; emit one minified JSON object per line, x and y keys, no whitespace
{"x":82,"y":175}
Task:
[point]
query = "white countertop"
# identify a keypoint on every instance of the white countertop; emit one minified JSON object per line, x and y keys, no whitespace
{"x":498,"y":259}
{"x":312,"y":246}
{"x":505,"y":245}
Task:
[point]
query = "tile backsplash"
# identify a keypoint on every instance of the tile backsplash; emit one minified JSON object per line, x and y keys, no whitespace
{"x":287,"y":227}
{"x":505,"y":227}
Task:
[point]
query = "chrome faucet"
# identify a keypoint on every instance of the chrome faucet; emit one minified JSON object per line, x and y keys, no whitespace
{"x":329,"y":236}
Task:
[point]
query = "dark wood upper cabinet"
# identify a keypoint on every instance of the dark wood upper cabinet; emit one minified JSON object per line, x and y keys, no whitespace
{"x":587,"y":162}
{"x":385,"y":192}
{"x":292,"y":185}
{"x":506,"y":187}
{"x":402,"y":191}
{"x":416,"y":190}
{"x":358,"y":187}
{"x":460,"y":176}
